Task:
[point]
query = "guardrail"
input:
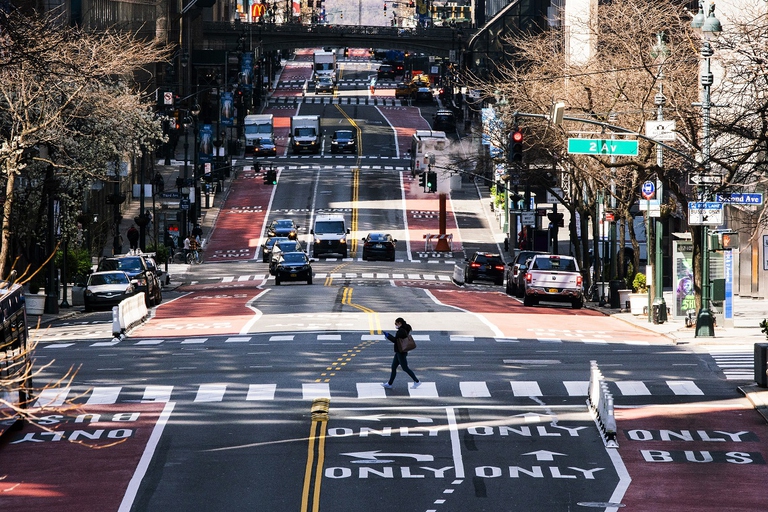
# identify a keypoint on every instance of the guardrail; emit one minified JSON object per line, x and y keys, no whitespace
{"x":600,"y":402}
{"x":128,"y":314}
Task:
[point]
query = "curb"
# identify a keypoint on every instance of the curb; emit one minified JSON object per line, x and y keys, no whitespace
{"x":758,"y":397}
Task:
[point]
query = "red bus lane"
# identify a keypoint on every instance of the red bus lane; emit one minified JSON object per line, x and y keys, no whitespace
{"x":91,"y":458}
{"x":690,"y":458}
{"x":205,"y":311}
{"x":239,"y":224}
{"x":405,"y":120}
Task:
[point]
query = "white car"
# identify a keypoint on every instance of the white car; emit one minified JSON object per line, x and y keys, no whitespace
{"x":107,"y":289}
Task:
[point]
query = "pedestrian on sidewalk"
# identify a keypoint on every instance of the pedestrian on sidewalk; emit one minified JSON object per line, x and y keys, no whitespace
{"x":401,"y":358}
{"x":197,"y":233}
{"x":133,"y":238}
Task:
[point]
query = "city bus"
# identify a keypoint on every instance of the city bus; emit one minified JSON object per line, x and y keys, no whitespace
{"x":424,"y":144}
{"x":15,"y":380}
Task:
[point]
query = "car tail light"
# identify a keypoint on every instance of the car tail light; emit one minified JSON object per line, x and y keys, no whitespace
{"x":474,"y":265}
{"x":499,"y":267}
{"x":579,"y":280}
{"x":527,"y":278}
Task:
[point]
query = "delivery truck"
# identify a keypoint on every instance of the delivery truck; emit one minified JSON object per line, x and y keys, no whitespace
{"x":305,"y":134}
{"x":259,"y":135}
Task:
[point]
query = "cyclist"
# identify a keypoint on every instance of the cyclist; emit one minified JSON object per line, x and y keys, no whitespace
{"x":193,"y":254}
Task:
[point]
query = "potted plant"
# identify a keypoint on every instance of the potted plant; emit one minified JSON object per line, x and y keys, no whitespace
{"x":35,"y":301}
{"x":638,"y":300}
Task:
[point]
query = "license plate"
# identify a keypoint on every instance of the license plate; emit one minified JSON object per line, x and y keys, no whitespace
{"x":293,"y":275}
{"x":330,"y":242}
{"x":379,"y":246}
{"x":552,"y":290}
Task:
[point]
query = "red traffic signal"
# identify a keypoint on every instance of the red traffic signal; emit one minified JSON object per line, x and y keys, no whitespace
{"x":517,"y":136}
{"x":516,"y":145}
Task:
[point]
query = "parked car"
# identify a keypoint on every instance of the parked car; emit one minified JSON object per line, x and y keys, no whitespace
{"x":444,"y":120}
{"x":281,"y":247}
{"x":283,"y":227}
{"x":403,"y":90}
{"x":512,"y":275}
{"x":379,"y":246}
{"x":266,"y":247}
{"x":484,"y":265}
{"x":343,"y":141}
{"x":293,"y":266}
{"x":137,"y":269}
{"x":325,"y":84}
{"x":107,"y":289}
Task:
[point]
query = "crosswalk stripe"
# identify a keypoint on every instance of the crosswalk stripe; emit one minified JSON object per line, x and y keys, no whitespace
{"x":329,"y":337}
{"x":576,"y":387}
{"x":632,"y":388}
{"x":457,"y":337}
{"x":210,"y":393}
{"x":370,"y":390}
{"x":104,"y":395}
{"x":312,"y":390}
{"x":425,"y":390}
{"x":684,"y":387}
{"x":194,"y":341}
{"x":238,"y":339}
{"x":261,"y":392}
{"x":284,"y":337}
{"x":157,"y":394}
{"x":525,"y":388}
{"x":227,"y":279}
{"x":52,"y":397}
{"x":476,"y":389}
{"x":149,"y":342}
{"x":59,"y":345}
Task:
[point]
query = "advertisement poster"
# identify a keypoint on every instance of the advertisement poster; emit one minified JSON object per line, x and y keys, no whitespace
{"x":227,"y":109}
{"x":683,"y":278}
{"x":205,"y":153}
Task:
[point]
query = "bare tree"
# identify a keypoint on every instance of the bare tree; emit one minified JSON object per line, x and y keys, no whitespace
{"x":67,"y":102}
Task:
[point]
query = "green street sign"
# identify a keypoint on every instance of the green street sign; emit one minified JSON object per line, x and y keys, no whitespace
{"x":602,"y":147}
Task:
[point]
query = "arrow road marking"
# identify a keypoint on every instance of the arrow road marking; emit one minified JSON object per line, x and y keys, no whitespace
{"x":379,"y":417}
{"x":371,"y":455}
{"x":544,"y":455}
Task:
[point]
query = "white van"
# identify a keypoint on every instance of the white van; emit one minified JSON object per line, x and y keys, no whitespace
{"x":329,"y":235}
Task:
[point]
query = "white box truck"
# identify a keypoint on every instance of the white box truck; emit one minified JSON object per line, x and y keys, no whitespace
{"x":324,"y":64}
{"x":259,"y":133}
{"x":305,"y":134}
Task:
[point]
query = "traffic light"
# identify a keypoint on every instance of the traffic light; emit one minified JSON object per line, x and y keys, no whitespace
{"x":346,"y":52}
{"x":385,"y":7}
{"x":432,"y":181}
{"x":270,"y":177}
{"x":423,"y":180}
{"x":557,"y":219}
{"x":516,"y":145}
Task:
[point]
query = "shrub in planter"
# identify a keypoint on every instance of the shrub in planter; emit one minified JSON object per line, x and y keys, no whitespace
{"x":638,"y":283}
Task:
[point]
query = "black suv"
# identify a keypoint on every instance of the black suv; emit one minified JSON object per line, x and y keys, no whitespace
{"x":343,"y":141}
{"x":485,"y":265}
{"x":444,"y":120}
{"x":137,"y":269}
{"x":386,"y":71}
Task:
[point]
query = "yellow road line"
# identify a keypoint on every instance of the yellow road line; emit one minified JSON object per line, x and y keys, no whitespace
{"x":374,"y":321}
{"x":311,"y":487}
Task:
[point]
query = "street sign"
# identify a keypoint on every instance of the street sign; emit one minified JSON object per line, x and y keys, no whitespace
{"x":734,"y":198}
{"x":705,"y":214}
{"x":660,"y":130}
{"x":648,"y":190}
{"x":528,"y":218}
{"x":602,"y":147}
{"x":705,"y":179}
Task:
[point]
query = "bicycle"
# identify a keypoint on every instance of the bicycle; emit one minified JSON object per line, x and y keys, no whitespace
{"x":193,"y":256}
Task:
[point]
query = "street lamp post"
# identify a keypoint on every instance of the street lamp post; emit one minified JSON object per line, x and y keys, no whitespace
{"x":709,"y":26}
{"x":658,"y":311}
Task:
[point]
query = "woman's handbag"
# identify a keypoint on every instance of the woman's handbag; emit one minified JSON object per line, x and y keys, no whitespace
{"x":406,"y":344}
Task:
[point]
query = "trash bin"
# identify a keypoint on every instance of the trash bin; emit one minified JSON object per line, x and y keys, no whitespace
{"x":614,"y":287}
{"x":761,"y":364}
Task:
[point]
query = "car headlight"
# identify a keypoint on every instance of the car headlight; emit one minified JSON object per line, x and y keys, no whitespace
{"x":343,"y":241}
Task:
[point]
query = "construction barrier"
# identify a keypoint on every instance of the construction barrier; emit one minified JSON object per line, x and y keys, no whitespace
{"x":458,"y":274}
{"x":445,"y":238}
{"x":128,"y":314}
{"x":600,"y":402}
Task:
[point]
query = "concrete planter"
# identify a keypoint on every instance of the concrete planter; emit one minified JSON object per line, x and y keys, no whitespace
{"x":35,"y":304}
{"x":637,"y":303}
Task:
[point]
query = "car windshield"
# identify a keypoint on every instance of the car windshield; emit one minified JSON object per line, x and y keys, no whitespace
{"x":377,"y":237}
{"x":329,"y":226}
{"x":294,"y":257}
{"x":272,"y":241}
{"x":304,"y":132}
{"x":130,"y":264}
{"x":343,"y":135}
{"x":565,"y":264}
{"x":112,"y":278}
{"x":257,"y":128}
{"x":288,"y":246}
{"x":284,"y":224}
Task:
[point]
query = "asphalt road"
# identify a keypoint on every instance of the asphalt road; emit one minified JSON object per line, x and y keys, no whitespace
{"x":209,"y":404}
